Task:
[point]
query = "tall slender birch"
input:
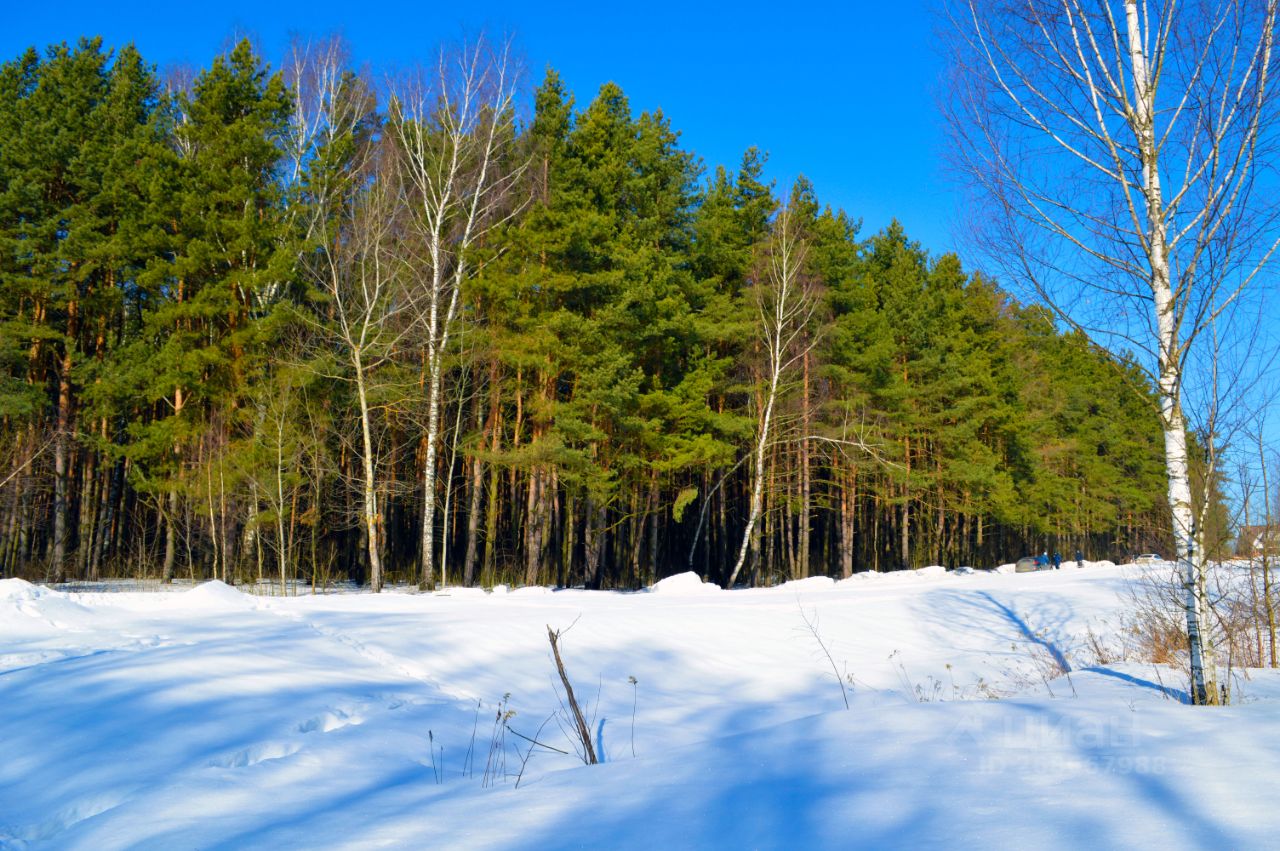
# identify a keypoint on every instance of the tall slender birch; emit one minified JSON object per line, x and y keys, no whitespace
{"x":1122,"y":149}
{"x":455,"y":130}
{"x":785,"y":308}
{"x":371,"y":314}
{"x":350,"y":200}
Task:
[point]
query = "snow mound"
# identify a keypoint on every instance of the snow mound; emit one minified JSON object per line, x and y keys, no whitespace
{"x":931,"y":570}
{"x":529,"y":591}
{"x":813,"y":583}
{"x":20,"y":589}
{"x":54,"y":608}
{"x":861,"y":576}
{"x":218,"y":594}
{"x":685,"y":583}
{"x":460,"y":591}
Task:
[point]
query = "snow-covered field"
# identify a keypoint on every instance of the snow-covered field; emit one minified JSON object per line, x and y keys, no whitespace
{"x":207,"y":718}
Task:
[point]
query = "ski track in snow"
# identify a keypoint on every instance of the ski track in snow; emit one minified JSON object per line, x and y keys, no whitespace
{"x":374,"y":654}
{"x":211,"y":719}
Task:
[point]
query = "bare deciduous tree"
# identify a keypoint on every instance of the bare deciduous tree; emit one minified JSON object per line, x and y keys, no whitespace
{"x":351,"y":203}
{"x":785,"y":308}
{"x":1120,"y":149}
{"x":454,"y":127}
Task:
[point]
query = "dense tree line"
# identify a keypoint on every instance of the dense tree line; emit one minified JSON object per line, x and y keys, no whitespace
{"x":269,"y":323}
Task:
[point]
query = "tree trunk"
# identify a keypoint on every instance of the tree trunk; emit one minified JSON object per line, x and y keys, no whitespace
{"x":905,"y":542}
{"x":91,"y":493}
{"x":848,"y":504}
{"x":1267,"y":538}
{"x":475,"y":488}
{"x":429,"y":471}
{"x":372,"y":522}
{"x":593,"y":542}
{"x":284,"y":541}
{"x":653,"y":531}
{"x":106,"y":517}
{"x":534,"y":513}
{"x":757,"y":482}
{"x":61,"y":471}
{"x":569,"y":540}
{"x":476,"y":483}
{"x":171,"y":528}
{"x":1190,"y":558}
{"x":638,"y":518}
{"x":806,"y":484}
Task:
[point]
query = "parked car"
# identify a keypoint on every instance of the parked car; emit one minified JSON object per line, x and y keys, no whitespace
{"x":1028,"y":564}
{"x":1148,"y":558}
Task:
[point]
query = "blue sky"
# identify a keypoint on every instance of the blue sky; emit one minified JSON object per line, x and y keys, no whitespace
{"x":841,"y":92}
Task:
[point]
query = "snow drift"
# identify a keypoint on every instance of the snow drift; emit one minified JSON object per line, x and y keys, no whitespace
{"x":978,"y":718}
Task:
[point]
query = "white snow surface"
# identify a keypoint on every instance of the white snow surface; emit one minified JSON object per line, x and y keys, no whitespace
{"x":684,"y":583}
{"x":209,"y":719}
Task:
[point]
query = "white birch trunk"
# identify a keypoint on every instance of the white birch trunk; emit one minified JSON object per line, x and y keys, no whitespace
{"x":785,"y":310}
{"x":757,"y":485}
{"x":452,"y":131}
{"x":370,"y":493}
{"x":285,"y":554}
{"x":1169,"y":384}
{"x":429,"y":475}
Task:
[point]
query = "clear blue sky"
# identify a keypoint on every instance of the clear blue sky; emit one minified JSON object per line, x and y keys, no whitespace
{"x":841,"y":92}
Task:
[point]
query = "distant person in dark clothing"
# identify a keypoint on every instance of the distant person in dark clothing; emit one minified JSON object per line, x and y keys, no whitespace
{"x":1057,"y":561}
{"x":1079,"y":559}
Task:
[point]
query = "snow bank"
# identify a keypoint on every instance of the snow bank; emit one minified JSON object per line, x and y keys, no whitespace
{"x":813,"y":583}
{"x":460,"y":591}
{"x":54,"y":608}
{"x":529,"y":591}
{"x":930,"y":572}
{"x":217,"y":595}
{"x":15,"y":590}
{"x":684,"y":584}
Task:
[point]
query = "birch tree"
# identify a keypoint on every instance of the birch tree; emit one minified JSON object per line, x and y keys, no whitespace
{"x":372,"y":313}
{"x":785,"y":309}
{"x":1120,"y":150}
{"x":350,"y":199}
{"x":455,"y":131}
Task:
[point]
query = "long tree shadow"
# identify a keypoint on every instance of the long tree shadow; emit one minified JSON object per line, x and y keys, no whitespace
{"x":1030,"y":635}
{"x":1042,"y":625}
{"x":1168,"y":691}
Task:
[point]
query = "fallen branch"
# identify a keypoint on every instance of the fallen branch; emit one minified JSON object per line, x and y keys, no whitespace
{"x":583,"y":732}
{"x":515,"y":732}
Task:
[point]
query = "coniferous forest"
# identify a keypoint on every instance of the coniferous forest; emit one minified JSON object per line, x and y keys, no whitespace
{"x":289,"y":322}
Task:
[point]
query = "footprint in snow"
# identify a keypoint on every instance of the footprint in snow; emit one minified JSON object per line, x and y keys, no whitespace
{"x":327,"y":722}
{"x":257,"y":754}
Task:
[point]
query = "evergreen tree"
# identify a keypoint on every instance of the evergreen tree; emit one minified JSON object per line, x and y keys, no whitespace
{"x":181,"y":274}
